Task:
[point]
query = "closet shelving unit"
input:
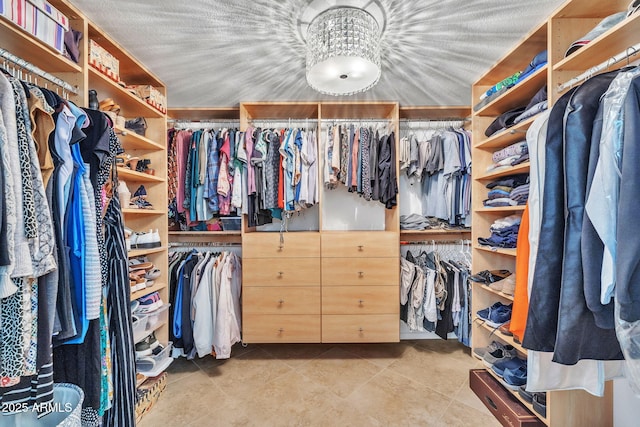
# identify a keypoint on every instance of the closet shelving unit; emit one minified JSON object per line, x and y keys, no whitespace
{"x":434,"y":113}
{"x":26,"y":46}
{"x":205,"y":115}
{"x":151,"y":146}
{"x":568,"y":23}
{"x":322,"y":285}
{"x":83,"y":77}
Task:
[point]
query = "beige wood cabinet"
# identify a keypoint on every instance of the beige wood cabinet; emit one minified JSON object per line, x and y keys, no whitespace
{"x":321,"y":286}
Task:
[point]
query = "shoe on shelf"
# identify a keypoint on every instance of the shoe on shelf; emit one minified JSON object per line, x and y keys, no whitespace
{"x":500,"y":354}
{"x":140,"y":198}
{"x":496,"y":315}
{"x":514,"y":378}
{"x":504,"y":329}
{"x":143,"y":348}
{"x":143,"y":165}
{"x":490,"y":276}
{"x":540,"y":404}
{"x":480,"y":352}
{"x":513,"y":364}
{"x":149,"y":303}
{"x":526,"y":395}
{"x":506,"y":286}
{"x":152,"y":274}
{"x":146,"y":240}
{"x":124,"y":194}
{"x":127,"y":160}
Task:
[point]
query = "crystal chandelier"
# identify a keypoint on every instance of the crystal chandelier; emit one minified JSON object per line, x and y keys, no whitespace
{"x":343,"y":51}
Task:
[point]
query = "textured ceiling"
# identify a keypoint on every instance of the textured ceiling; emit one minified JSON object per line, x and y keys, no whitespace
{"x":219,"y":53}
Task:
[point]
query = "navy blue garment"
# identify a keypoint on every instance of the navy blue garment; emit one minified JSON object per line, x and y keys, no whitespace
{"x":575,"y":320}
{"x":542,"y":318}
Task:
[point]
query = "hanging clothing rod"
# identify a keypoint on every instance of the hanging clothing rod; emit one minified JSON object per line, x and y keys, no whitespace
{"x":434,"y":242}
{"x":435,"y":124}
{"x":181,"y":125}
{"x":628,"y":53}
{"x":202,"y":244}
{"x":357,"y":121}
{"x":32,"y":69}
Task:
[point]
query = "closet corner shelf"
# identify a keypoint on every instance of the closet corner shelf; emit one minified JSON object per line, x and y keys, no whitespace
{"x":146,"y":291}
{"x":141,"y":252}
{"x":508,"y":252}
{"x":132,"y":141}
{"x":518,"y":96}
{"x":506,"y":338}
{"x":493,"y":291}
{"x":515,"y":394}
{"x":29,"y":48}
{"x":517,"y":208}
{"x":134,"y":211}
{"x":131,"y":105}
{"x":521,"y":168}
{"x":616,"y":39}
{"x":132,"y":71}
{"x":138,"y":176}
{"x":508,"y":136}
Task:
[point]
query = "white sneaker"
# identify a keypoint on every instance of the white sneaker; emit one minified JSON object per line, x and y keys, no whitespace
{"x":146,"y":240}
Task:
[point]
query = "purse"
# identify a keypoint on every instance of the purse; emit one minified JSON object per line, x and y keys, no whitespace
{"x":138,"y":125}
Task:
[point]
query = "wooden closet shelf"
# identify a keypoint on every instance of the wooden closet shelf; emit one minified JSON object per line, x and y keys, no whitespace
{"x":131,"y":105}
{"x":134,"y":211}
{"x":132,"y":141}
{"x":205,"y":233}
{"x":507,"y":136}
{"x":142,"y":252}
{"x":508,"y":252}
{"x":518,"y":96}
{"x":20,"y":43}
{"x":521,"y":168}
{"x":146,"y":291}
{"x":506,"y":338}
{"x":518,"y":208}
{"x":136,"y":176}
{"x":493,"y":291}
{"x":616,"y":39}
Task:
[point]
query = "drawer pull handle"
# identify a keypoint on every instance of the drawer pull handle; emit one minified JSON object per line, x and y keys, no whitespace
{"x":361,"y":274}
{"x":280,"y":274}
{"x":491,"y":403}
{"x":361,"y":330}
{"x":280,"y":248}
{"x":281,"y":302}
{"x":280,"y":331}
{"x":361,"y":302}
{"x":360,"y":248}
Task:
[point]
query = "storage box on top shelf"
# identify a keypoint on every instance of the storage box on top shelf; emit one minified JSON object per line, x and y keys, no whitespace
{"x":152,"y":95}
{"x":102,"y":60}
{"x":38,"y":18}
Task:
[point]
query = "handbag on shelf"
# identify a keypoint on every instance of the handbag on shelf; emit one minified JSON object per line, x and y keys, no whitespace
{"x":138,"y":125}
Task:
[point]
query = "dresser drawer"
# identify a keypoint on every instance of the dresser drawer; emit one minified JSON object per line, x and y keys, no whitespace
{"x":360,"y":300}
{"x":281,"y":300}
{"x":268,"y":245}
{"x":356,"y":271}
{"x":281,"y":272}
{"x":360,"y":328}
{"x":272,"y":328}
{"x":360,"y":244}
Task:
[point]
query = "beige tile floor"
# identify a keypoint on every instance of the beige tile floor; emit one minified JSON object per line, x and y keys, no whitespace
{"x":412,"y":383}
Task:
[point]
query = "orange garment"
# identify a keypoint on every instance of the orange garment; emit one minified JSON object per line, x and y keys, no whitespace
{"x":521,"y":293}
{"x":354,"y":160}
